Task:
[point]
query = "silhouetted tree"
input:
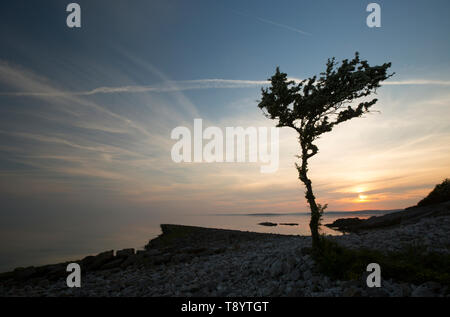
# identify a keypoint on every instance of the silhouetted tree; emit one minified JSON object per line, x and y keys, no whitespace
{"x":314,"y":106}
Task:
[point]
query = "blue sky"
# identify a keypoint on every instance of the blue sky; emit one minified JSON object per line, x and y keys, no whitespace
{"x":86,"y":114}
{"x":210,"y":39}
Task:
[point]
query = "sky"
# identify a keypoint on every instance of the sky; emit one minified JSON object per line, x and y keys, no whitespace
{"x":86,"y":113}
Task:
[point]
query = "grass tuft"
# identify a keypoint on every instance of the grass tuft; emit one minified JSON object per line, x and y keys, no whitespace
{"x":412,"y":265}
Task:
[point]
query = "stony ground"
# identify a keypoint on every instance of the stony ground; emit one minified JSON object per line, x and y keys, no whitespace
{"x":204,"y":262}
{"x":431,"y":233}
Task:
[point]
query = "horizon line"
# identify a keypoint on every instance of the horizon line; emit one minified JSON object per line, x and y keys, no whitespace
{"x":308,"y":212}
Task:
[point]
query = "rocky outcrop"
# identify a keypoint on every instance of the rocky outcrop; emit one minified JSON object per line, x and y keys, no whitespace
{"x":92,"y":263}
{"x":267,"y":224}
{"x":345,"y":224}
{"x":405,"y":217}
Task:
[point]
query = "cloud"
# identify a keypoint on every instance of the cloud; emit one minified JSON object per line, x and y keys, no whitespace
{"x":69,"y":103}
{"x":418,"y":82}
{"x":67,"y":137}
{"x":280,"y":25}
{"x":104,"y":146}
{"x":168,"y":86}
{"x":195,"y":84}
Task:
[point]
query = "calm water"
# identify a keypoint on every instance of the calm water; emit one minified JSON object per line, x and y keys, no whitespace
{"x":58,"y":245}
{"x":251,"y":223}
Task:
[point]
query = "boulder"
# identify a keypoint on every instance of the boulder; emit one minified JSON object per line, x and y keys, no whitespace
{"x":405,"y":290}
{"x":161,"y":259}
{"x":422,"y":291}
{"x":433,"y":286}
{"x":91,"y":263}
{"x":276,"y":268}
{"x":295,"y":275}
{"x":307,"y":275}
{"x":24,"y":273}
{"x":377,"y":292}
{"x":56,"y":271}
{"x":125,"y":253}
{"x":132,"y":260}
{"x":113,"y":264}
{"x":352,"y":291}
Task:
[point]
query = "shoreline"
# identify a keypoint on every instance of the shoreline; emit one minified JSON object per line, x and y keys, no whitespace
{"x":283,"y":227}
{"x":72,"y":259}
{"x":198,"y":261}
{"x":213,"y":236}
{"x":291,"y":225}
{"x":278,"y":223}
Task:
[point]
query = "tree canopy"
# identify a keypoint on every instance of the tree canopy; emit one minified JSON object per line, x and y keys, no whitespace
{"x":315,"y":105}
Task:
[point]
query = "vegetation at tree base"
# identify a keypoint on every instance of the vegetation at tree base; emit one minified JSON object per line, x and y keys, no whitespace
{"x":440,"y":194}
{"x":315,"y":105}
{"x":412,"y":265}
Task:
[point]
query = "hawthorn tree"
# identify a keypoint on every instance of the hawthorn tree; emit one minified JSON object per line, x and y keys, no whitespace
{"x":315,"y":105}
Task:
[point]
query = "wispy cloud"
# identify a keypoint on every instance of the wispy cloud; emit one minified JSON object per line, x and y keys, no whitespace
{"x":127,"y":152}
{"x":169,"y":86}
{"x":81,"y":141}
{"x":196,"y":84}
{"x":284,"y":26}
{"x":419,"y":82}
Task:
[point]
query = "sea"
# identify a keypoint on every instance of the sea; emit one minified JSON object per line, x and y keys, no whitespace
{"x":53,"y":247}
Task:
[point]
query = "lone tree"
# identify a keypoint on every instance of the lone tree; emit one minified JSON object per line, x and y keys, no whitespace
{"x":314,"y":106}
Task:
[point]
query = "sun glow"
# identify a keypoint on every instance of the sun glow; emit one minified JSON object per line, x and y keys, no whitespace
{"x":359,"y":190}
{"x":362,"y":198}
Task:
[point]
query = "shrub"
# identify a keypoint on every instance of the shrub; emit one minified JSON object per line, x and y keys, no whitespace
{"x":412,"y":265}
{"x":440,"y":194}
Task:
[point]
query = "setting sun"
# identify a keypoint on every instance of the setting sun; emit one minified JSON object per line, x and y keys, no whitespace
{"x":362,"y":198}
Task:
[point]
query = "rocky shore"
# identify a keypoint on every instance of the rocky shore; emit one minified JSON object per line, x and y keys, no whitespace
{"x":404,"y":217}
{"x":194,"y":261}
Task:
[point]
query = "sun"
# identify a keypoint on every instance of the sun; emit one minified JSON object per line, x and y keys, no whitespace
{"x":362,"y":198}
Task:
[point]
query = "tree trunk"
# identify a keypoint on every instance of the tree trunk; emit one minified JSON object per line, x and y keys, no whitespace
{"x":309,"y":195}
